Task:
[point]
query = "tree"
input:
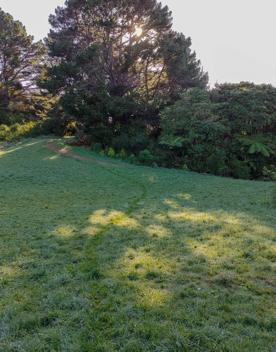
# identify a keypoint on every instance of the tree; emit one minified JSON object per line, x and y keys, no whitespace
{"x":118,"y":60}
{"x":19,"y":63}
{"x":229,"y":130}
{"x":249,"y":108}
{"x":192,"y":132}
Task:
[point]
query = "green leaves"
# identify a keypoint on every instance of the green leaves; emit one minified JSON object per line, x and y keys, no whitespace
{"x":199,"y":131}
{"x":256,"y":148}
{"x":20,"y":63}
{"x":172,"y":141}
{"x":257,"y":145}
{"x":94,"y":47}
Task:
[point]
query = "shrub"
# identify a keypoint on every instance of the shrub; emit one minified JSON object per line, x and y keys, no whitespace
{"x":216,"y":163}
{"x":4,"y":132}
{"x":239,"y":169}
{"x":131,"y":143}
{"x":96,"y":147}
{"x":145,"y":157}
{"x":111,"y":153}
{"x":269,"y":172}
{"x":9,"y":118}
{"x":132,"y":159}
{"x":17,"y":131}
{"x":122,"y":155}
{"x":228,"y":131}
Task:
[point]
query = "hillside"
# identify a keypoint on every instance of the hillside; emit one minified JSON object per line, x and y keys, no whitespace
{"x":101,"y":255}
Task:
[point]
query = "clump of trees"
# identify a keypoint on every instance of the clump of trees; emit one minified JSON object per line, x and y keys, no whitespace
{"x":20,"y":64}
{"x":117,"y":64}
{"x":228,"y":131}
{"x":120,"y":78}
{"x":23,"y":105}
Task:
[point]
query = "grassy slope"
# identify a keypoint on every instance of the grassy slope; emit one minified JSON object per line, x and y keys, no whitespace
{"x":114,"y":257}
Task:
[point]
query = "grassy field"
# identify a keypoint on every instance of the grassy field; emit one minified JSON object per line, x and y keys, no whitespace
{"x":100,"y":255}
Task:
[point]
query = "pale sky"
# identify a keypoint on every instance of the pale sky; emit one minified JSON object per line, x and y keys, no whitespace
{"x":234,"y":39}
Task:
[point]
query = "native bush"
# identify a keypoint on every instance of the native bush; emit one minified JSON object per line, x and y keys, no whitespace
{"x":227,"y":131}
{"x":17,"y":131}
{"x":146,"y":157}
{"x":96,"y":147}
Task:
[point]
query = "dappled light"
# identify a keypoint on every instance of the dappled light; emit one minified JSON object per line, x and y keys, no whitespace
{"x":9,"y":272}
{"x":52,"y":158}
{"x":133,"y":245}
{"x":65,"y":231}
{"x":137,"y":202}
{"x":117,"y":218}
{"x":138,"y":31}
{"x":157,"y":230}
{"x":193,"y":216}
{"x":8,"y":150}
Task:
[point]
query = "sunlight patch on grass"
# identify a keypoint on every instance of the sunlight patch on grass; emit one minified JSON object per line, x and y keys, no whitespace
{"x":9,"y":151}
{"x":9,"y":271}
{"x":184,"y":196}
{"x":158,"y":231}
{"x":104,"y":217}
{"x":192,"y":216}
{"x":193,"y":272}
{"x":151,"y":297}
{"x":265,"y":231}
{"x":212,"y":249}
{"x":65,"y":231}
{"x":19,"y":146}
{"x":51,"y":158}
{"x":145,"y":274}
{"x":91,"y":230}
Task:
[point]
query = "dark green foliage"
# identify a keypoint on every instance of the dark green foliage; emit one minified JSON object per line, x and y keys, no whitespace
{"x":145,"y":157}
{"x":269,"y":172}
{"x":190,"y":129}
{"x":228,"y":131}
{"x":20,"y":130}
{"x":96,"y":147}
{"x":20,"y":59}
{"x":216,"y":162}
{"x":130,"y":142}
{"x":239,"y":169}
{"x":116,"y":63}
{"x":249,"y":109}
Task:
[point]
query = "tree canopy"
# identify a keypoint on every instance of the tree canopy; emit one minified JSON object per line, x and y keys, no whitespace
{"x":123,"y":81}
{"x":20,"y":59}
{"x":229,"y":130}
{"x":118,"y":60}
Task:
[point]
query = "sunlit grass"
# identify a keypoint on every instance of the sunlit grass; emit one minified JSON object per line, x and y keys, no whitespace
{"x":99,"y":255}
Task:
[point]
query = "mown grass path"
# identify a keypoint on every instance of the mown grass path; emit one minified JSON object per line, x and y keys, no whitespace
{"x":100,"y":255}
{"x":115,"y":220}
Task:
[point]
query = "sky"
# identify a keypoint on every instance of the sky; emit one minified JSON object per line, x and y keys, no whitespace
{"x":234,"y":39}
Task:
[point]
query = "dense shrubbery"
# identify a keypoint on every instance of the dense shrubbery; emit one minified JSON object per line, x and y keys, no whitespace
{"x":23,"y":107}
{"x":228,"y":131}
{"x":25,"y":129}
{"x":17,"y":131}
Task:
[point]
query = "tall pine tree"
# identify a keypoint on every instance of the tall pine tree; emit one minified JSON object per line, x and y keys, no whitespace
{"x":20,"y":59}
{"x":113,"y":57}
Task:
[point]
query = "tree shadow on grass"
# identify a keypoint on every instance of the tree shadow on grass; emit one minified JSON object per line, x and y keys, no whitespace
{"x":161,"y":270}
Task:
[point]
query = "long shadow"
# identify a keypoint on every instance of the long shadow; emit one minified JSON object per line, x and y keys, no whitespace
{"x":157,"y":269}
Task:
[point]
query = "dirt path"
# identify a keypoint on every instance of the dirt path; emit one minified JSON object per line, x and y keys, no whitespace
{"x":67,"y":152}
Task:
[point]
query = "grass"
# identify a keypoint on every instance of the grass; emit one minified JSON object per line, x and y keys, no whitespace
{"x":100,"y":255}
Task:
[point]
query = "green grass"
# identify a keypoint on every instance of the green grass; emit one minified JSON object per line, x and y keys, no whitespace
{"x":102,"y":255}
